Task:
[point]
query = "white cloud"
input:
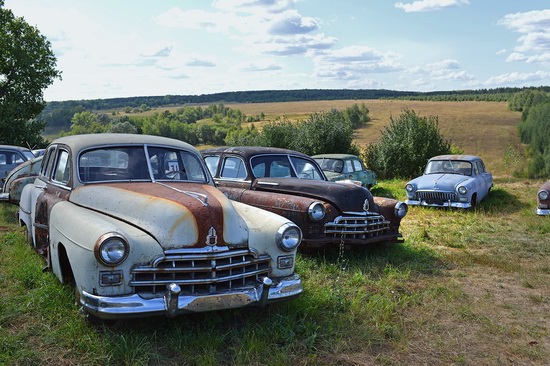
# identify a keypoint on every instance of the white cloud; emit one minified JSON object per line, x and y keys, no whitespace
{"x":353,"y":62}
{"x":517,"y":78}
{"x":531,"y":21}
{"x":501,"y":52}
{"x":254,"y":6}
{"x":534,"y":42}
{"x":429,"y":5}
{"x":515,"y":56}
{"x":261,"y":65}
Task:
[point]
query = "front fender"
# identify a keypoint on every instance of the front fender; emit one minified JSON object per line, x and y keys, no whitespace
{"x":75,"y":230}
{"x":262,"y":227}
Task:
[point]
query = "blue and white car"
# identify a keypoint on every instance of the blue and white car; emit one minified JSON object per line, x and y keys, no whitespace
{"x":450,"y":181}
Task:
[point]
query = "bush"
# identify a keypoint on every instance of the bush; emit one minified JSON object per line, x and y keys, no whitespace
{"x":405,"y":146}
{"x":534,"y":132}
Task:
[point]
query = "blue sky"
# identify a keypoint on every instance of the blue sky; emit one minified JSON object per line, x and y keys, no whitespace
{"x":126,"y":48}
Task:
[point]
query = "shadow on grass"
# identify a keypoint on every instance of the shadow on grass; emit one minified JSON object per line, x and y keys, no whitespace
{"x":375,"y":258}
{"x":501,"y":201}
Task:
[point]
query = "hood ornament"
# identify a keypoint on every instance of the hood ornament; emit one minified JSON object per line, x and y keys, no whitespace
{"x":366,"y":205}
{"x":211,"y":238}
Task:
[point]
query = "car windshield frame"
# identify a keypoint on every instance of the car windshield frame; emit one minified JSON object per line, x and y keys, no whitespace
{"x":449,"y":166}
{"x":145,"y":163}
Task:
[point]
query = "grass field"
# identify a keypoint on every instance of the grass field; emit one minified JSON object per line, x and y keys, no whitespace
{"x":466,"y":287}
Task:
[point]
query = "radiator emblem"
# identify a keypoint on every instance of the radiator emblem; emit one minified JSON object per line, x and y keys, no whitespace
{"x":211,"y":238}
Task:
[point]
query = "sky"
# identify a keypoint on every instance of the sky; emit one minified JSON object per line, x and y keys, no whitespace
{"x":126,"y":48}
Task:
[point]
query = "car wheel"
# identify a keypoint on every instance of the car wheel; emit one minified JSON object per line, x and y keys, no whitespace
{"x":473,"y":201}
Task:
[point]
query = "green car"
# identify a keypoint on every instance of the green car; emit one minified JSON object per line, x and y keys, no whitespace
{"x":344,"y":166}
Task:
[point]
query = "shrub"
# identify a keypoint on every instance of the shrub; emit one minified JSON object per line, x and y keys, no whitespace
{"x":405,"y":146}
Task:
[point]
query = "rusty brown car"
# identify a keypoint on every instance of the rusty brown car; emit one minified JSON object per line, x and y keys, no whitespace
{"x":136,"y":224}
{"x":293,"y":185}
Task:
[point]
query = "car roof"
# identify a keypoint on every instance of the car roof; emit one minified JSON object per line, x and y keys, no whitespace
{"x":249,"y":151}
{"x":80,"y":142}
{"x":13,"y":147}
{"x":335,"y":156}
{"x":456,"y":157}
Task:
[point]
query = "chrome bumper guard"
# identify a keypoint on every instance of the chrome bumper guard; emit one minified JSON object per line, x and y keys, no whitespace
{"x":175,"y":303}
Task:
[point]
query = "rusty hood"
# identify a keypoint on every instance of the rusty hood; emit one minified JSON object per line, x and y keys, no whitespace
{"x":177,"y":215}
{"x":344,"y":196}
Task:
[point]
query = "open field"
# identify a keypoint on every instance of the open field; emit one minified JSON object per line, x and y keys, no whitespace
{"x":478,"y":128}
{"x":466,"y":287}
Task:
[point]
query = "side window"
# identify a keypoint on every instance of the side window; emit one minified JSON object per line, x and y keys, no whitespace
{"x":212,"y":163}
{"x":62,"y":168}
{"x":480,"y":167}
{"x":233,"y":167}
{"x":47,"y":162}
{"x":357,"y":165}
{"x":348,"y":167}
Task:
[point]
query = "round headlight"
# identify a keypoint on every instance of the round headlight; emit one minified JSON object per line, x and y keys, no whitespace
{"x":462,"y":190}
{"x":289,"y":237}
{"x":543,"y":195}
{"x":316,"y":211}
{"x":409,"y":187}
{"x":111,"y":249}
{"x":401,"y":209}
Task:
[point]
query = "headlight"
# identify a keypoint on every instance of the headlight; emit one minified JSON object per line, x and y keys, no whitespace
{"x":401,"y":209}
{"x":289,"y":237}
{"x":462,"y":190}
{"x":111,"y":249}
{"x":409,"y":187}
{"x":543,"y":195}
{"x":316,"y":211}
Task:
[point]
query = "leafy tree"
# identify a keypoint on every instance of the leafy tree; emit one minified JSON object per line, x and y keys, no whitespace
{"x":27,"y":66}
{"x":534,"y":132}
{"x":323,"y":133}
{"x":405,"y":146}
{"x":524,"y":99}
{"x":357,"y":115}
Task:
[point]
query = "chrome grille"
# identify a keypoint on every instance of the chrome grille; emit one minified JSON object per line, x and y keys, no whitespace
{"x":202,"y":272}
{"x":357,"y":227}
{"x":436,"y":197}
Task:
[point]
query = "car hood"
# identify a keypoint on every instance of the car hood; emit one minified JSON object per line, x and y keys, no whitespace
{"x":344,"y":196}
{"x":440,"y":182}
{"x":175,"y":214}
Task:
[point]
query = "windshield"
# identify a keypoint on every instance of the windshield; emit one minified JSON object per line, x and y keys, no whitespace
{"x":135,"y":163}
{"x":449,"y":167}
{"x":331,"y":165}
{"x":284,"y":166}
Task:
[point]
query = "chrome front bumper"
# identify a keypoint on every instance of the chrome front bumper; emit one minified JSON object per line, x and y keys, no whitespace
{"x":543,"y":211}
{"x":444,"y":204}
{"x":174,"y":303}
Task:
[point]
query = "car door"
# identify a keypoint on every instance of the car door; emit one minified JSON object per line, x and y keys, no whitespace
{"x":485,"y":177}
{"x":51,"y":187}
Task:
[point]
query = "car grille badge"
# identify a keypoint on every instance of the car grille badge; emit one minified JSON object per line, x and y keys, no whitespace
{"x":212,"y":238}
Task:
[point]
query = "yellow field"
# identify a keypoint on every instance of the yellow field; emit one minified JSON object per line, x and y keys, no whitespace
{"x":486,"y":129}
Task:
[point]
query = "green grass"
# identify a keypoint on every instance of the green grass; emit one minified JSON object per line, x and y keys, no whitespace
{"x":466,"y":287}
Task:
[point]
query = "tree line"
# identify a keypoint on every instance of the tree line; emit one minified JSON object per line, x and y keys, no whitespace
{"x":534,"y":130}
{"x":59,"y":114}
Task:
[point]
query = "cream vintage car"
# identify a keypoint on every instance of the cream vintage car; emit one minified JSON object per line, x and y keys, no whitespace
{"x":137,"y":225}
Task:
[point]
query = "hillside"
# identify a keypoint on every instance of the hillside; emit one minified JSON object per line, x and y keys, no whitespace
{"x":487,"y":129}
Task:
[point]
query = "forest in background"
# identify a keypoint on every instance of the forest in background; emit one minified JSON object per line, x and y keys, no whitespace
{"x":58,"y":115}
